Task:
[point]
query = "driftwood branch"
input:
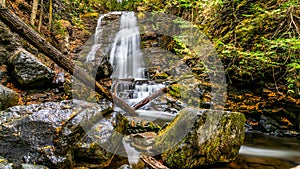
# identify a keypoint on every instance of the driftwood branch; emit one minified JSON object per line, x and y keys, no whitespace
{"x":157,"y":94}
{"x":150,"y":98}
{"x":153,"y":162}
{"x":16,"y":24}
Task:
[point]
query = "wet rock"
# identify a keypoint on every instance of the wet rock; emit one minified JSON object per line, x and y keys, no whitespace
{"x":211,"y":137}
{"x":272,"y":127}
{"x":32,"y":166}
{"x":141,"y":141}
{"x":125,"y":166}
{"x":268,"y":124}
{"x":134,"y":125}
{"x":8,"y":97}
{"x":4,"y":164}
{"x":99,"y":68}
{"x":39,"y":134}
{"x":29,"y":71}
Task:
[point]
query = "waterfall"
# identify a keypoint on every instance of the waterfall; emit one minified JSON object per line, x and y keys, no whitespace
{"x":91,"y":55}
{"x":132,"y":153}
{"x":125,"y":55}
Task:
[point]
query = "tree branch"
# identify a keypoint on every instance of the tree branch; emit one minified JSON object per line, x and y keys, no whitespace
{"x":153,"y":162}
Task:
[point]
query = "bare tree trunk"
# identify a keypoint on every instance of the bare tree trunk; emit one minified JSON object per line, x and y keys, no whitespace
{"x":50,"y":13}
{"x":35,"y":5}
{"x":2,"y":4}
{"x":41,"y":16}
{"x":16,"y":24}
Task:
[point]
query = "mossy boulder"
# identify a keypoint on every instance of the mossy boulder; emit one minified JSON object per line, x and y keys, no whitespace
{"x":8,"y":97}
{"x":209,"y":137}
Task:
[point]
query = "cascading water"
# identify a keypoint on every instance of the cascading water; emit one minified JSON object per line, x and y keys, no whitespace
{"x":91,"y":55}
{"x":127,"y":60}
{"x":129,"y":82}
{"x":125,"y":55}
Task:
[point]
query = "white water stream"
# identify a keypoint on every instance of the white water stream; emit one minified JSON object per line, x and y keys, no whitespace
{"x":91,"y":55}
{"x":129,"y":82}
{"x":126,"y":56}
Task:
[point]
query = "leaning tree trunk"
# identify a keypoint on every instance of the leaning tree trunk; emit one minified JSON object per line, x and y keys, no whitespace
{"x":2,"y":3}
{"x":41,"y":16}
{"x":16,"y":24}
{"x":35,"y":5}
{"x":50,"y":13}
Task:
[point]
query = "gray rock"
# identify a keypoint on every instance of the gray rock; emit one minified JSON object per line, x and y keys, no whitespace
{"x":28,"y":70}
{"x":35,"y":134}
{"x":125,"y":166}
{"x":8,"y":97}
{"x":32,"y":166}
{"x":211,"y":137}
{"x":269,"y":125}
{"x":4,"y":164}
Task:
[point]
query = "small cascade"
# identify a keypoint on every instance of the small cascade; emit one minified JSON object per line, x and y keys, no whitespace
{"x":91,"y":55}
{"x":134,"y":91}
{"x":125,"y":55}
{"x":132,"y":153}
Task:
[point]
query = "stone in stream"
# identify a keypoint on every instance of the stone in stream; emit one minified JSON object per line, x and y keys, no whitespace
{"x":34,"y":134}
{"x":32,"y":166}
{"x":8,"y":97}
{"x":212,"y":136}
{"x":4,"y":164}
{"x":28,"y":70}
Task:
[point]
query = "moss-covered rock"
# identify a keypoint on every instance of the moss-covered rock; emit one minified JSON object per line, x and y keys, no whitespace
{"x":212,"y":136}
{"x":8,"y":97}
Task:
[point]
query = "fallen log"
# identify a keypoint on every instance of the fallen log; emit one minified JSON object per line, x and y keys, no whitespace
{"x":16,"y":24}
{"x":157,"y":93}
{"x":150,"y":98}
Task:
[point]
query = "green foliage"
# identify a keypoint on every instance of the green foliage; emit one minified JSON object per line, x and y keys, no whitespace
{"x":258,"y":41}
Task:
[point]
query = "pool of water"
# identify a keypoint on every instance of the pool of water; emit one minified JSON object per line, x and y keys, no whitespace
{"x":261,"y":151}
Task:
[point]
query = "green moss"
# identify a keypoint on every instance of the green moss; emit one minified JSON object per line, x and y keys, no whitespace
{"x":191,"y":151}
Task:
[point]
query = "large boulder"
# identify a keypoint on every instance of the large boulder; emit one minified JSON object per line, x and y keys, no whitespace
{"x":28,"y":70}
{"x":54,"y":134}
{"x":8,"y":97}
{"x":209,"y":137}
